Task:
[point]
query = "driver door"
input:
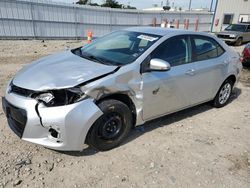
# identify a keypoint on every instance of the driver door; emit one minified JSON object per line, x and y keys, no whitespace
{"x":169,"y":91}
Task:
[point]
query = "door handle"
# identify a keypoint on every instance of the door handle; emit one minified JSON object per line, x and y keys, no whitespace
{"x":191,"y":72}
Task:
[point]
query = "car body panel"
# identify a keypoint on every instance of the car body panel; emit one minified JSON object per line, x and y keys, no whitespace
{"x":71,"y":121}
{"x":160,"y":89}
{"x":59,"y":71}
{"x":153,"y":94}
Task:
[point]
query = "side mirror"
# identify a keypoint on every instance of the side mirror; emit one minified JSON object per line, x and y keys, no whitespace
{"x":159,"y":65}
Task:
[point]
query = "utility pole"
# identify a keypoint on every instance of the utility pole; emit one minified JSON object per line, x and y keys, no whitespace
{"x":190,"y":3}
{"x":211,"y":6}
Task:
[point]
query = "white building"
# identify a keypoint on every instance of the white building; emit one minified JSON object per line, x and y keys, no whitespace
{"x":230,"y":11}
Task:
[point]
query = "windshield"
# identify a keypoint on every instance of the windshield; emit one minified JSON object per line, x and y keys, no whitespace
{"x":118,"y":48}
{"x":236,"y":27}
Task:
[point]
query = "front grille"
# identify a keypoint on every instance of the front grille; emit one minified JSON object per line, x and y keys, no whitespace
{"x":17,"y":117}
{"x":225,"y":36}
{"x":21,"y":91}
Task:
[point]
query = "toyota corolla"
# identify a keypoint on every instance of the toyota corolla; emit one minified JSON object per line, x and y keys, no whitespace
{"x":96,"y":93}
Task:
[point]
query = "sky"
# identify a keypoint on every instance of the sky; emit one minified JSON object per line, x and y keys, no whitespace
{"x":140,"y":4}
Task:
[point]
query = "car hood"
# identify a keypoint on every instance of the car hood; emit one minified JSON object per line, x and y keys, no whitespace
{"x":230,"y":33}
{"x":63,"y":70}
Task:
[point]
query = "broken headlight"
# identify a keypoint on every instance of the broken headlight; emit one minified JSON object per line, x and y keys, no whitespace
{"x":45,"y":97}
{"x":61,"y":97}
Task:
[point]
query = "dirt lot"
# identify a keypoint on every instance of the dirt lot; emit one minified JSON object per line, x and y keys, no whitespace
{"x":198,"y":147}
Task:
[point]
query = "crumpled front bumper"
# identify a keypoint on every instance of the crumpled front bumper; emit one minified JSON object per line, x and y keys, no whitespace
{"x":60,"y":128}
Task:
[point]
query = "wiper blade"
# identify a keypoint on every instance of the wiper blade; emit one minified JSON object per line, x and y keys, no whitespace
{"x":94,"y":58}
{"x":99,"y":60}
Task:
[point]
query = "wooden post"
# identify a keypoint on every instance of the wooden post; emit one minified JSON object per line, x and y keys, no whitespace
{"x":196,"y":24}
{"x":187,"y":24}
{"x":154,"y":22}
{"x":177,"y":24}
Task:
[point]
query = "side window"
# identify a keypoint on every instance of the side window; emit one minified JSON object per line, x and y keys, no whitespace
{"x":248,"y":28}
{"x":206,"y":48}
{"x":175,"y":51}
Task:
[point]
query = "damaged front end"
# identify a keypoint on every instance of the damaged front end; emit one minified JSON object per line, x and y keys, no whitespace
{"x":52,"y":118}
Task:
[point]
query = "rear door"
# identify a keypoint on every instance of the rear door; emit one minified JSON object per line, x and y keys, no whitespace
{"x":210,"y":64}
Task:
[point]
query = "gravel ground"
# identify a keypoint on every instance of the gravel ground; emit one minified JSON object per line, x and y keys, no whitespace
{"x":198,"y":147}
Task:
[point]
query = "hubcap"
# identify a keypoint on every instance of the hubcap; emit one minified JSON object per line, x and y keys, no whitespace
{"x":111,"y":127}
{"x":225,"y":93}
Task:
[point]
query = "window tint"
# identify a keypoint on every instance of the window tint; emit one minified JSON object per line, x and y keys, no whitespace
{"x":175,"y":51}
{"x":206,"y":48}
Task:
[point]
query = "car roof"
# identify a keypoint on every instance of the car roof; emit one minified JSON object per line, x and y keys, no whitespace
{"x":163,"y":31}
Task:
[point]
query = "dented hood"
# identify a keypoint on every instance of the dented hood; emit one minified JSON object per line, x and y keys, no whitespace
{"x":59,"y":71}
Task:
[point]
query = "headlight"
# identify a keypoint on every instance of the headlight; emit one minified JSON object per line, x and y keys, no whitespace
{"x":45,"y":97}
{"x":232,"y":36}
{"x":61,"y":97}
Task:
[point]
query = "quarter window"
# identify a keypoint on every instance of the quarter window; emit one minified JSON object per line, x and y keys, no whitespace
{"x":206,"y":48}
{"x":176,"y":51}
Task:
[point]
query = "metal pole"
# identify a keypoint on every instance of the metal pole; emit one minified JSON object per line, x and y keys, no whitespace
{"x":215,"y":11}
{"x":211,"y":6}
{"x":32,"y":19}
{"x":190,"y":3}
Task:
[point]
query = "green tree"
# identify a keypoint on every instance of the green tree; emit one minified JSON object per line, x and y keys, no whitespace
{"x":86,"y":2}
{"x":112,"y":4}
{"x":82,"y":2}
{"x":130,"y":7}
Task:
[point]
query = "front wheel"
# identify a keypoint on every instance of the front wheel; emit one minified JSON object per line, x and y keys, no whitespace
{"x":112,"y":127}
{"x":223,"y":95}
{"x":239,"y":42}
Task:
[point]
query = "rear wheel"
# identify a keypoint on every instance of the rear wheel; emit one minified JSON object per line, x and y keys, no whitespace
{"x":112,"y":127}
{"x":223,"y":95}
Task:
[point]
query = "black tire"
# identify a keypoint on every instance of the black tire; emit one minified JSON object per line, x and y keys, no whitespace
{"x":225,"y":92}
{"x":239,"y":42}
{"x":112,"y":127}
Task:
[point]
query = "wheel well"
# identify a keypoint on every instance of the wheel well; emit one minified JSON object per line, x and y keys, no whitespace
{"x":123,"y":98}
{"x":232,"y":78}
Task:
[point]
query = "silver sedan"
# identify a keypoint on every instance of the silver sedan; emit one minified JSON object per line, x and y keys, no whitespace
{"x":96,"y":93}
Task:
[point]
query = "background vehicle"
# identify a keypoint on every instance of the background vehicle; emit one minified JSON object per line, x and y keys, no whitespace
{"x":97,"y":93}
{"x":246,"y":55}
{"x":235,"y":34}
